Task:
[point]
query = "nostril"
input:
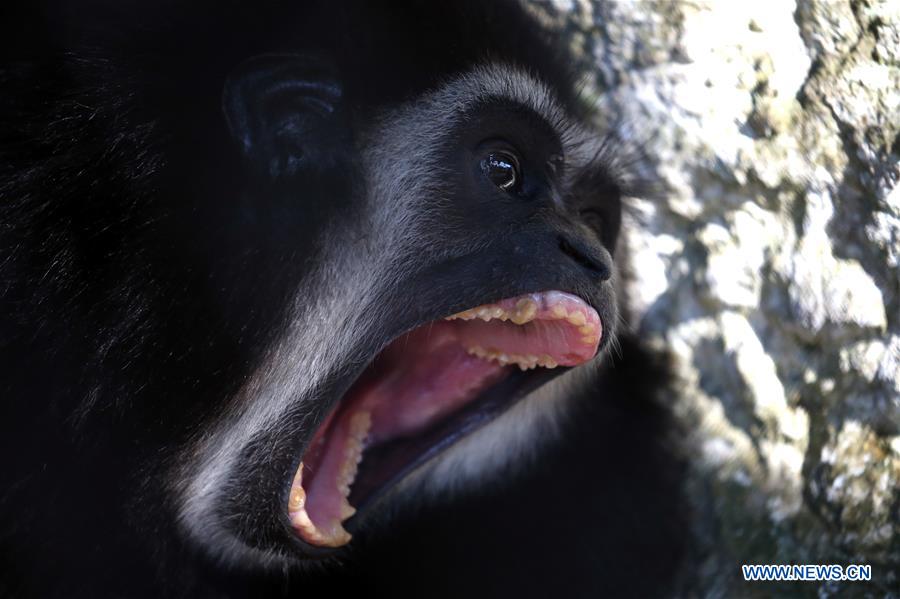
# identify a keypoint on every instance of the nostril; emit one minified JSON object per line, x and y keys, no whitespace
{"x":585,"y":258}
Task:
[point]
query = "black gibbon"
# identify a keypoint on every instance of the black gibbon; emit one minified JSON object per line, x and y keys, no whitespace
{"x":313,"y":297}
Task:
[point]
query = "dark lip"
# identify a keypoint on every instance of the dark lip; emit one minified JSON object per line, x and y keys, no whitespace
{"x":444,"y":434}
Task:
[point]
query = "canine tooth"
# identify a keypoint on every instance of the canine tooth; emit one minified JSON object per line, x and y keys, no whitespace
{"x":344,"y":537}
{"x":577,"y":318}
{"x":336,"y":535}
{"x":526,"y":309}
{"x":297,"y":499}
{"x":347,"y":510}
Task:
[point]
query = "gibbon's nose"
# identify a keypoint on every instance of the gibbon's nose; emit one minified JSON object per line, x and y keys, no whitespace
{"x":592,"y":259}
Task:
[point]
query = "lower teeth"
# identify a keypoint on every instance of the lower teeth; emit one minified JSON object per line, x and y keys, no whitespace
{"x":332,"y":533}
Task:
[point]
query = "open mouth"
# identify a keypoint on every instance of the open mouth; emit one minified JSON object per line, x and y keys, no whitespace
{"x":425,"y":390}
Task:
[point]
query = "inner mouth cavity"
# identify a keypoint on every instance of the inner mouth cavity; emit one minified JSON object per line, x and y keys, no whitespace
{"x":423,"y":377}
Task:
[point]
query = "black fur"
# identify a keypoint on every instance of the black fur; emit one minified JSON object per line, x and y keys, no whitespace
{"x":138,"y":290}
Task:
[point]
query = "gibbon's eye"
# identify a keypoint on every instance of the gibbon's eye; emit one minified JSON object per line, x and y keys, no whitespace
{"x":502,"y":169}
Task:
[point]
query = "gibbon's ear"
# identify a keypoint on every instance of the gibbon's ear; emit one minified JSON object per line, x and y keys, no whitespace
{"x":284,"y":111}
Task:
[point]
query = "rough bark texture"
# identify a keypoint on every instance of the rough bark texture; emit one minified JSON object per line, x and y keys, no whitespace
{"x":769,"y":265}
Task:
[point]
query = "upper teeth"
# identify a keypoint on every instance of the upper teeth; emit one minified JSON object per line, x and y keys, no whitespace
{"x":524,"y":311}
